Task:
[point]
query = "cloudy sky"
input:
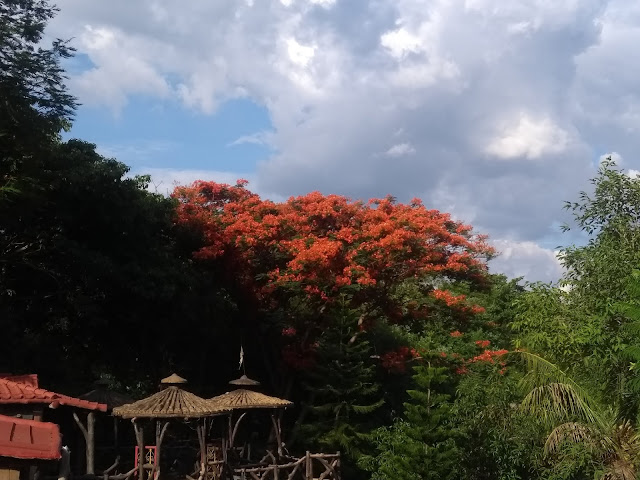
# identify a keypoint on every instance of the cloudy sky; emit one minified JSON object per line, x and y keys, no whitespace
{"x":496,"y":111}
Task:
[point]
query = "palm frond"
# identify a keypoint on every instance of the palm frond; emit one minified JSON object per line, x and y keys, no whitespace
{"x":553,"y":396}
{"x":555,"y":402}
{"x":572,"y":432}
{"x":620,"y":470}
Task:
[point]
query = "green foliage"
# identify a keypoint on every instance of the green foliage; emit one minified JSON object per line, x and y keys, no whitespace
{"x":421,"y":445}
{"x":581,"y":424}
{"x":497,"y":439}
{"x":343,"y":388}
{"x":34,"y":102}
{"x":598,"y":272}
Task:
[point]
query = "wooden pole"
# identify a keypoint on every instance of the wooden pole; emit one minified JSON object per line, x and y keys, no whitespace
{"x":203,"y":448}
{"x":276,"y":428}
{"x":91,"y":442}
{"x":88,"y":433}
{"x":308,"y":467}
{"x":140,"y":440}
{"x":235,"y":430}
{"x":161,"y":429}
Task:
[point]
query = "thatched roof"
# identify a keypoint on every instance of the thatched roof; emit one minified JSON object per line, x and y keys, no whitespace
{"x":243,"y":399}
{"x":102,"y":394}
{"x":172,"y":402}
{"x":173,"y":379}
{"x":244,"y":381}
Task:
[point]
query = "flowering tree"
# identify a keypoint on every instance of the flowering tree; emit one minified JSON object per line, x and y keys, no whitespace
{"x":325,"y":243}
{"x":321,"y":247}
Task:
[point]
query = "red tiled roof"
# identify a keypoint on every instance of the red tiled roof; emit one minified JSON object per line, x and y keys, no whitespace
{"x":29,"y":439}
{"x":24,"y":389}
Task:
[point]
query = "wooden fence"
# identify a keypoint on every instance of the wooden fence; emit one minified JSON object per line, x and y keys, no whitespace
{"x":313,"y":466}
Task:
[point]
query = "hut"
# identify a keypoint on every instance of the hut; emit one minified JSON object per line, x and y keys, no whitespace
{"x":170,"y":403}
{"x":22,"y":397}
{"x":108,"y":437}
{"x":27,"y":445}
{"x":242,"y":400}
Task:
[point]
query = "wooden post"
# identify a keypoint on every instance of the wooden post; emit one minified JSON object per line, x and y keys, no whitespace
{"x":308,"y":467}
{"x":88,"y":433}
{"x":161,"y":429}
{"x":203,"y":448}
{"x":91,"y":442}
{"x":140,"y":440}
{"x":235,"y":430}
{"x":276,"y":428}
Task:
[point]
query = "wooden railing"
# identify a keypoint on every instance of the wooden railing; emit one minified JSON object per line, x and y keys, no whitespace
{"x":313,"y":466}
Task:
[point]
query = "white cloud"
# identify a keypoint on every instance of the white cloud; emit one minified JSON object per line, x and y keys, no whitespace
{"x":324,"y":3}
{"x":400,"y":42}
{"x":400,"y":150}
{"x":299,"y":54}
{"x":530,"y":139}
{"x":258,"y":138}
{"x":465,"y":83}
{"x":119,"y":71}
{"x":615,"y":156}
{"x":526,"y":259}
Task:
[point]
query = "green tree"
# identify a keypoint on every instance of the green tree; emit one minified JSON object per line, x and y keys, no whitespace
{"x":421,"y":445}
{"x":610,"y":216}
{"x":578,"y":420}
{"x":343,"y":389}
{"x":34,"y":102}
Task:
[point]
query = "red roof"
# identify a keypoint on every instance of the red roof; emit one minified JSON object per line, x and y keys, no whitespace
{"x":24,"y":389}
{"x":29,"y":439}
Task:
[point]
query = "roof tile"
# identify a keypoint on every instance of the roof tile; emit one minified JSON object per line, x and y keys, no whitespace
{"x":12,"y":392}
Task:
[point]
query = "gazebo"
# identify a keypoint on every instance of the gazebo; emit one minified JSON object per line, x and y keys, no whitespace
{"x":172,"y":402}
{"x":242,"y":400}
{"x":112,"y":399}
{"x":311,"y":466}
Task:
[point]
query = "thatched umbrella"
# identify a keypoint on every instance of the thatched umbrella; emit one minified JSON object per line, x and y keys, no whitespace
{"x":245,"y":399}
{"x":101,"y":394}
{"x":171,"y":402}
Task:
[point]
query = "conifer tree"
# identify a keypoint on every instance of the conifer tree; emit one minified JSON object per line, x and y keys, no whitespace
{"x":421,"y":445}
{"x":343,"y":388}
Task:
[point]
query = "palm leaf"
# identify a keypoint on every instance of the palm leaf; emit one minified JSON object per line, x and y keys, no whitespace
{"x":553,"y":396}
{"x":572,"y":432}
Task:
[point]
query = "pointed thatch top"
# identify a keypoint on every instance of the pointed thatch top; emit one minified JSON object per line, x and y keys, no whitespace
{"x":102,"y":394}
{"x":244,"y":381}
{"x":173,"y":379}
{"x":172,"y":402}
{"x":242,"y":399}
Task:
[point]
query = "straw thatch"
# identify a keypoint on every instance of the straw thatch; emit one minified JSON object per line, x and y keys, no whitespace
{"x":244,"y":381}
{"x":172,"y":402}
{"x":173,"y":379}
{"x":102,"y":394}
{"x":241,"y":399}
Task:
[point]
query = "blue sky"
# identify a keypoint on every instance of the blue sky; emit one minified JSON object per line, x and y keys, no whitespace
{"x":494,"y":111}
{"x":162,"y":134}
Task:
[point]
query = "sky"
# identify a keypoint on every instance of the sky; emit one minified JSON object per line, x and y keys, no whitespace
{"x":494,"y":111}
